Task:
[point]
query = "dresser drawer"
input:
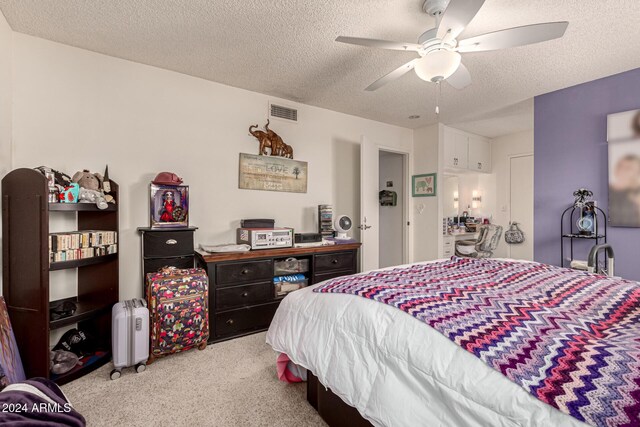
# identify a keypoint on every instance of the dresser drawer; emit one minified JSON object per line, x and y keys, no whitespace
{"x":317,"y":278}
{"x":247,"y":319}
{"x":337,"y":261}
{"x":243,"y":272}
{"x":237,"y":296}
{"x":152,"y":265}
{"x":158,"y":244}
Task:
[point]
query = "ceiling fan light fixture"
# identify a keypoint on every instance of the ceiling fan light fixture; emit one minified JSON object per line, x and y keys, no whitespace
{"x":437,"y":65}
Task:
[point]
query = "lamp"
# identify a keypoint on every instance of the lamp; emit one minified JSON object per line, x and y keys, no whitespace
{"x":456,"y":198}
{"x":475,"y":199}
{"x":437,"y":65}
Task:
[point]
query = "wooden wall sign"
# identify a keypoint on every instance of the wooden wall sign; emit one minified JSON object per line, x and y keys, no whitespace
{"x":272,"y":174}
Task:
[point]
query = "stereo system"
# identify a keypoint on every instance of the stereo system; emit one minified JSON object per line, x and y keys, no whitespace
{"x":307,"y":238}
{"x":265,"y":238}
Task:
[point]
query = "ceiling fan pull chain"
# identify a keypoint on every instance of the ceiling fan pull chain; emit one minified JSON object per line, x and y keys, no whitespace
{"x":438,"y":95}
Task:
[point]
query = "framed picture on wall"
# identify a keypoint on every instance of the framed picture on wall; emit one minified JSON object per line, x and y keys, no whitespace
{"x":169,"y":206}
{"x":423,"y":185}
{"x":623,"y":137}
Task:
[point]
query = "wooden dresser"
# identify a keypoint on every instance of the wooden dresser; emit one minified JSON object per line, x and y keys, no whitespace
{"x":242,"y":297}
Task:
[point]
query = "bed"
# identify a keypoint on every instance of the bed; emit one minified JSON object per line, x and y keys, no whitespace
{"x":397,"y":370}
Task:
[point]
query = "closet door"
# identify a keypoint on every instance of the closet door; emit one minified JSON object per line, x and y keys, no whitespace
{"x":521,"y":204}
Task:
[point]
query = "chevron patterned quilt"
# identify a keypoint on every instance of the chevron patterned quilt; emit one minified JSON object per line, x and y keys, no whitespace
{"x":569,"y":338}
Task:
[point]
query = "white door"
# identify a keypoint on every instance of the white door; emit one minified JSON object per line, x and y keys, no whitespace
{"x":369,"y":214}
{"x":521,"y":204}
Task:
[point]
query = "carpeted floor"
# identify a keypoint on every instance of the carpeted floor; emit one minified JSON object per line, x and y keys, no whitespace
{"x":232,"y":383}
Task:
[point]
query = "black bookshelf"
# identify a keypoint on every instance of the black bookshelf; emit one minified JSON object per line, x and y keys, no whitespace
{"x":26,"y":273}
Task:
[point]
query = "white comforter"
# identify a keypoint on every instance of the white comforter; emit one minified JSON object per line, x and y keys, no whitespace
{"x":397,"y":370}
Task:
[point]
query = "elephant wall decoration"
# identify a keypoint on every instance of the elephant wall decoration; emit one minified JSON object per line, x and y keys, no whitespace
{"x":270,"y":143}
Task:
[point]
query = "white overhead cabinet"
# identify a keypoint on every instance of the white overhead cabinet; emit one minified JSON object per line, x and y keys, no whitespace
{"x":466,"y":152}
{"x":479,"y":154}
{"x":456,"y":149}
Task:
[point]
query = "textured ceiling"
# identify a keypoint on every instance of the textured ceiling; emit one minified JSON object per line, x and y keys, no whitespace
{"x":286,"y":48}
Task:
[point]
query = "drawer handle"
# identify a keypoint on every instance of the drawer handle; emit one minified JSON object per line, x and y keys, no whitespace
{"x":230,"y":322}
{"x":334,"y":261}
{"x":245,"y":294}
{"x":171,"y":242}
{"x":245,"y":271}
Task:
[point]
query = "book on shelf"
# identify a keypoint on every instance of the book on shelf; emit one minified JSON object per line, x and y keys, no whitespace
{"x":75,"y":245}
{"x":83,"y":253}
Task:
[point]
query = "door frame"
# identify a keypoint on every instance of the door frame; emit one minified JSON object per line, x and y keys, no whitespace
{"x":511,"y":157}
{"x":407,"y":205}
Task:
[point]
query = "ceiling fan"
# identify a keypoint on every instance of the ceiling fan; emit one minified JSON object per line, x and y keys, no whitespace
{"x":439,"y":49}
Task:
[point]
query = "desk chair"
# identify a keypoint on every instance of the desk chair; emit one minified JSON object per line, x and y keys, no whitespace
{"x":483,"y":247}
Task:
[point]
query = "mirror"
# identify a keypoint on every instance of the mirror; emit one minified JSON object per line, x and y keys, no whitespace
{"x":450,"y":192}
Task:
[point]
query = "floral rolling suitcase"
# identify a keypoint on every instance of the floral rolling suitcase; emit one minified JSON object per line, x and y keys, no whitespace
{"x":178,"y":309}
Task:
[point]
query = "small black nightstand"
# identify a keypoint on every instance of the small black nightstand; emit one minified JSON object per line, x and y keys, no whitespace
{"x":166,"y":247}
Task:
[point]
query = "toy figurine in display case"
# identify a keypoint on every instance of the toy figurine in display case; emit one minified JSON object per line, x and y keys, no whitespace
{"x":169,"y":202}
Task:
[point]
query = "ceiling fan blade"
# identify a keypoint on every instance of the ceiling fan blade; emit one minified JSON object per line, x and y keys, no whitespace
{"x":381,"y":44}
{"x":457,"y":16}
{"x":512,"y":37}
{"x":460,"y":79}
{"x":398,"y":72}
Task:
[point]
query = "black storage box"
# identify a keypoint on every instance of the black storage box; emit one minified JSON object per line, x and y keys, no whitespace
{"x":257,"y":223}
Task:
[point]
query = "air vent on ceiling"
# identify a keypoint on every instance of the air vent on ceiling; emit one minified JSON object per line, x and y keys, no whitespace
{"x":284,"y":113}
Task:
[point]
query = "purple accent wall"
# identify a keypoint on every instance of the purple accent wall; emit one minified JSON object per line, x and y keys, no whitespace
{"x":570,"y":135}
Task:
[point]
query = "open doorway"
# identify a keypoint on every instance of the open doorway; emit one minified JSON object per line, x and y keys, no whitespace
{"x":392,"y":178}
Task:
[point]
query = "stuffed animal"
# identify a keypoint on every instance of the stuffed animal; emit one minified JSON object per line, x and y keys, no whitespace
{"x":92,"y":196}
{"x":88,"y":180}
{"x":70,"y":194}
{"x":93,"y":182}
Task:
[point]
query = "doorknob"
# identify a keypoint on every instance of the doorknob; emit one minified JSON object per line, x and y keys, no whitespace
{"x":364,"y":225}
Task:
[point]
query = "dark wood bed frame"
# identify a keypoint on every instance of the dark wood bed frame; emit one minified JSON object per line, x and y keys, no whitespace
{"x":333,"y":410}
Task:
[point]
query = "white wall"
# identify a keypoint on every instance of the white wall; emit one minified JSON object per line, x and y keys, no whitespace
{"x":427,"y":228}
{"x":6,"y":55}
{"x":502,"y":149}
{"x":391,"y":217}
{"x":6,"y":43}
{"x":76,"y":109}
